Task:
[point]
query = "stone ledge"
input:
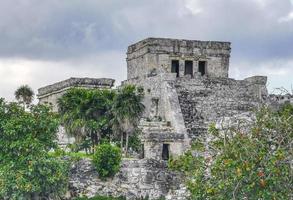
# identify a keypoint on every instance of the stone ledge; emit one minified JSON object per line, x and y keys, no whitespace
{"x":74,"y":82}
{"x":163,"y":137}
{"x":155,"y":42}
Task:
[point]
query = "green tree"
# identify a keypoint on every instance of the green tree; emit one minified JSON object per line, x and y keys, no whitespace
{"x":254,"y":165}
{"x":86,"y":114}
{"x":24,"y":95}
{"x":26,"y":169}
{"x":107,"y":160}
{"x":127,"y":110}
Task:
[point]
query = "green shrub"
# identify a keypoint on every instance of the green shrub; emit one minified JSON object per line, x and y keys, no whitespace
{"x":250,"y":165}
{"x":107,"y":159}
{"x":135,"y":142}
{"x":26,"y":168}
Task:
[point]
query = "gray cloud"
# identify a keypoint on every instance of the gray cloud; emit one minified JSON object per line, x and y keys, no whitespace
{"x":90,"y":37}
{"x":54,"y":29}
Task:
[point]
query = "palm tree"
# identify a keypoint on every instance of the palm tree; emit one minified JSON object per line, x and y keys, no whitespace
{"x":25,"y":95}
{"x":84,"y":113}
{"x":127,"y":110}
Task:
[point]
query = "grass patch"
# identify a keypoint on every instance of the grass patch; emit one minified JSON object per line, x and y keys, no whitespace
{"x":75,"y":156}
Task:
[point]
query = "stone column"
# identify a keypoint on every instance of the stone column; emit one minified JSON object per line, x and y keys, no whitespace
{"x":181,"y":68}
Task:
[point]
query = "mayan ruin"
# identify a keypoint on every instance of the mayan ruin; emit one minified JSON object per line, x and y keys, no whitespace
{"x":186,"y":87}
{"x":146,"y":100}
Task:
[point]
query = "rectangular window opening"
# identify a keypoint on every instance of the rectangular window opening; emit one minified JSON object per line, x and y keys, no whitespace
{"x":166,"y":153}
{"x":142,"y":152}
{"x":175,"y":67}
{"x":202,"y":67}
{"x":188,"y":67}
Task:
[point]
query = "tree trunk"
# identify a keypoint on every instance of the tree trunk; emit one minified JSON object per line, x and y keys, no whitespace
{"x":126,"y":144}
{"x":121,"y":142}
{"x":35,"y":196}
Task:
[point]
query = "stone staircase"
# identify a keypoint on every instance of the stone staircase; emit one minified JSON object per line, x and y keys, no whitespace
{"x":156,"y":127}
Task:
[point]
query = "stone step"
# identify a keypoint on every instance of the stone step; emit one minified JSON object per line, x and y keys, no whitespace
{"x":154,"y":123}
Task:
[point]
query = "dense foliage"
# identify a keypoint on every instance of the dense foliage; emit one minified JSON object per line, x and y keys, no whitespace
{"x":85,"y":115}
{"x":26,"y":169}
{"x":107,"y":160}
{"x":97,"y":116}
{"x":253,"y":165}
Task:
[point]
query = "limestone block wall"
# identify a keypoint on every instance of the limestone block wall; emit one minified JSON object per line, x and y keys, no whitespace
{"x":154,"y":53}
{"x":153,"y":144}
{"x":206,"y":100}
{"x":51,"y":93}
{"x":136,"y":179}
{"x":154,"y":88}
{"x":168,"y":110}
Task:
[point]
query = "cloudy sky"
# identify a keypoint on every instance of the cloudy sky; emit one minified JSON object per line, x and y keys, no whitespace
{"x":45,"y":41}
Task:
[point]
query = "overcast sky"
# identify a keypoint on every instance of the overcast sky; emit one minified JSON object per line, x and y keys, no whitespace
{"x":42,"y":42}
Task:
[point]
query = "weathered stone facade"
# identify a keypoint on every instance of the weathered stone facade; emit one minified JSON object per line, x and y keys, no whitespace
{"x":136,"y":179}
{"x":207,"y":100}
{"x":50,"y":94}
{"x":188,"y":100}
{"x":153,"y":53}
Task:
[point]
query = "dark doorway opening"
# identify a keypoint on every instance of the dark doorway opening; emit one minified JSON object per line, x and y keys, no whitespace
{"x":202,"y":67}
{"x":141,"y":156}
{"x":188,"y":67}
{"x":175,"y":67}
{"x":165,"y":153}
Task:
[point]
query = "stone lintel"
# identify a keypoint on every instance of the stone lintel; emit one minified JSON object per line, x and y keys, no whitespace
{"x":163,"y":137}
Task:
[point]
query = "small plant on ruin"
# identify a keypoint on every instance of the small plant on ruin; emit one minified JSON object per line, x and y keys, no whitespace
{"x":107,"y":160}
{"x":27,"y":171}
{"x":253,"y":165}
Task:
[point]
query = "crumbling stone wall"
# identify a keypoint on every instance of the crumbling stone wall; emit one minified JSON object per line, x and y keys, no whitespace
{"x":136,"y":179}
{"x":206,"y":100}
{"x":51,"y":93}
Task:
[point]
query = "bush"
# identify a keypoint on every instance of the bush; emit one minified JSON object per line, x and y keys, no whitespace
{"x":252,"y":165}
{"x":27,"y":170}
{"x":107,"y":159}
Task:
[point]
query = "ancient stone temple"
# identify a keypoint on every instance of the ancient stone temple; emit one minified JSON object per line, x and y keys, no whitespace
{"x":187,"y":87}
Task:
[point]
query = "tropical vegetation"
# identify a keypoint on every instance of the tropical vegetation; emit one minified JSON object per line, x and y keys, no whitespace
{"x":127,"y":110}
{"x":85,"y":115}
{"x":27,"y":171}
{"x":95,"y":116}
{"x":107,"y":160}
{"x":24,"y":95}
{"x":243,"y":165}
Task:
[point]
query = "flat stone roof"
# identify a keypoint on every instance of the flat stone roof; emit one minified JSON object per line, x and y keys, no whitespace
{"x":75,"y":82}
{"x":180,"y":42}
